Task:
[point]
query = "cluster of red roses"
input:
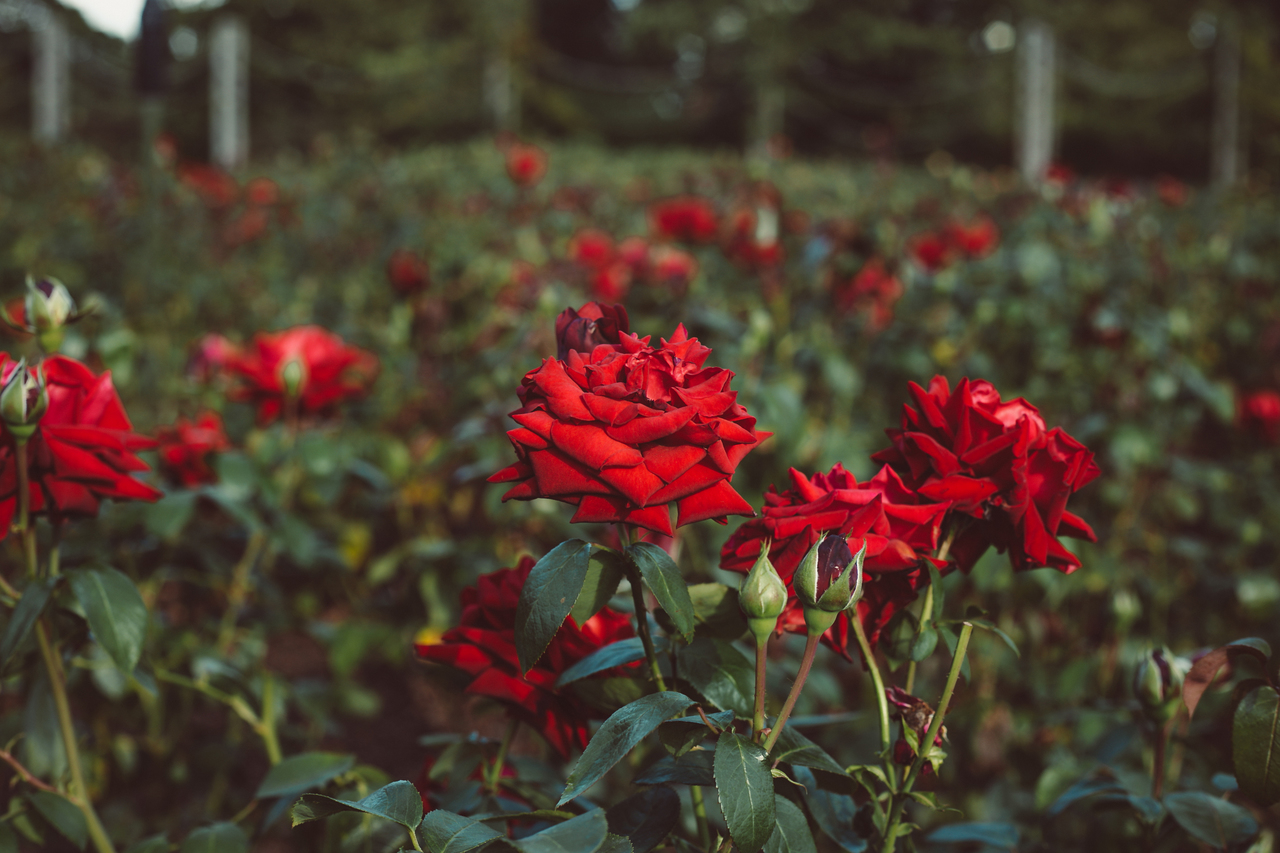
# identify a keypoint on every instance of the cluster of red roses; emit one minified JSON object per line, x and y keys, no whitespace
{"x":611,"y":268}
{"x":937,"y":250}
{"x":220,"y":192}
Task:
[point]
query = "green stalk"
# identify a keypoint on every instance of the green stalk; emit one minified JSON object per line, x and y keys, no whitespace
{"x":806,"y":663}
{"x":1157,"y":770}
{"x":900,"y":799}
{"x":757,"y":719}
{"x":882,"y":701}
{"x":495,"y":772}
{"x":267,"y":728}
{"x":700,"y":815}
{"x":239,"y":591}
{"x":924,"y":616}
{"x":642,"y":626}
{"x":24,"y":510}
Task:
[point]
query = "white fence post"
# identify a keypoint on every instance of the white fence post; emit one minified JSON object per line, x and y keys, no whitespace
{"x":229,"y":92}
{"x":51,"y":80}
{"x":500,"y":92}
{"x":1035,"y":90}
{"x":1224,"y":163}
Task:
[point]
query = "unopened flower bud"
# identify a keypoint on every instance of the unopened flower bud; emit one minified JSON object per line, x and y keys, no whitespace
{"x":48,"y":308}
{"x":294,"y":377}
{"x":23,"y":401}
{"x":828,"y":581}
{"x":1157,"y":683}
{"x":762,"y":597}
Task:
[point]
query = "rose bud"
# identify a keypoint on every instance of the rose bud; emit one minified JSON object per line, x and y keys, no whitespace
{"x":594,"y":324}
{"x":1157,"y":682}
{"x":762,"y":597}
{"x":23,"y":401}
{"x":293,"y":376}
{"x":47,"y":309}
{"x":828,"y":581}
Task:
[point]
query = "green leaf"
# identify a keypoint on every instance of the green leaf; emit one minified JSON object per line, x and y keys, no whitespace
{"x":607,"y":657}
{"x":692,"y":768}
{"x":34,"y":598}
{"x":297,"y":773}
{"x":684,"y":734}
{"x":615,"y":844}
{"x":1255,"y":745}
{"x":168,"y":516}
{"x":219,"y":838}
{"x":716,"y":611}
{"x":792,"y":834}
{"x":745,"y":788}
{"x":609,"y":694}
{"x":833,"y":812}
{"x":1086,"y":787}
{"x":446,"y":832}
{"x":1215,"y":822}
{"x":646,"y":818}
{"x":604,"y":572}
{"x":952,"y":639}
{"x":9,"y":841}
{"x":547,"y":597}
{"x":939,"y":595}
{"x":991,"y":834}
{"x":721,"y":673}
{"x":115,"y":612}
{"x":43,"y":750}
{"x":151,"y":844}
{"x":988,"y":625}
{"x":794,"y":748}
{"x":625,"y":728}
{"x":65,"y":816}
{"x":584,"y":834}
{"x":924,"y":644}
{"x":664,"y":580}
{"x":398,"y":802}
{"x":1205,"y":670}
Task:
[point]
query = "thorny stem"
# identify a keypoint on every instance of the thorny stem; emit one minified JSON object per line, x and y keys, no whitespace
{"x":700,"y":816}
{"x":806,"y":663}
{"x":926,"y":743}
{"x":27,"y":776}
{"x":757,"y":719}
{"x":495,"y":772}
{"x":24,"y":510}
{"x":882,"y":701}
{"x":926,"y":612}
{"x":239,"y":591}
{"x":642,"y":611}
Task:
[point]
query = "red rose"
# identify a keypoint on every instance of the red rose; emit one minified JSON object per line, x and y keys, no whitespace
{"x":671,"y":267}
{"x":588,"y":327}
{"x":483,"y":646}
{"x":976,"y":240}
{"x":689,"y":218}
{"x":900,"y":528}
{"x":526,"y":164}
{"x":874,"y":290}
{"x":326,"y":371}
{"x":931,"y":251}
{"x":591,"y":248}
{"x":210,"y":357}
{"x":83,"y":451}
{"x":262,"y":192}
{"x":995,"y":461}
{"x":634,"y":252}
{"x":1171,"y":191}
{"x":753,"y":237}
{"x":214,"y":186}
{"x":186,"y":446}
{"x":1260,"y":411}
{"x":407,"y":272}
{"x":611,"y":283}
{"x":626,"y":430}
{"x":1059,"y":174}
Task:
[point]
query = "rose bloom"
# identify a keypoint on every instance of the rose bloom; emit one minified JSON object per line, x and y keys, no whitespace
{"x":931,"y":251}
{"x":83,"y":451}
{"x":1171,"y":191}
{"x":591,"y":248}
{"x":626,"y":430}
{"x":672,"y":267}
{"x":483,"y":646}
{"x":214,"y":186}
{"x":186,"y":446}
{"x":874,"y":290}
{"x":526,"y":164}
{"x":1260,"y":411}
{"x":210,"y":357}
{"x":689,"y":218}
{"x":262,"y":192}
{"x":583,"y":329}
{"x":752,"y":239}
{"x":611,"y":283}
{"x":998,"y":463}
{"x":329,"y":371}
{"x":977,"y":239}
{"x":900,"y":528}
{"x":407,"y":272}
{"x":634,"y":252}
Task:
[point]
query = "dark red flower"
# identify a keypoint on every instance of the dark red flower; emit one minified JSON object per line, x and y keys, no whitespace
{"x":483,"y":646}
{"x":407,"y":272}
{"x":186,"y":446}
{"x":626,"y":430}
{"x":915,"y":715}
{"x":996,"y":462}
{"x":873,"y":291}
{"x":591,"y":248}
{"x":611,"y":283}
{"x":931,"y":251}
{"x":1171,"y":191}
{"x":83,"y":451}
{"x":588,"y":327}
{"x":976,"y":239}
{"x":526,"y":164}
{"x":1260,"y":411}
{"x":326,"y":371}
{"x":210,"y":357}
{"x":214,"y":186}
{"x":671,"y":267}
{"x":1059,"y":174}
{"x":752,"y":239}
{"x":634,"y":252}
{"x":689,"y":218}
{"x":262,"y":192}
{"x":900,"y":527}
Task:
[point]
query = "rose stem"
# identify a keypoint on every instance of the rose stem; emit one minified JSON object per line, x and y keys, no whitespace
{"x":899,"y":800}
{"x":1157,"y":768}
{"x":927,"y":610}
{"x":642,"y":612}
{"x":882,"y":702}
{"x":700,"y":815}
{"x":806,"y":662}
{"x":24,"y":509}
{"x":495,"y":772}
{"x":757,"y":721}
{"x":239,"y":591}
{"x":267,"y":730}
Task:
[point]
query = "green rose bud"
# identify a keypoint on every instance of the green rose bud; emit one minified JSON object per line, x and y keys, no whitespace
{"x":49,"y":308}
{"x":23,"y":401}
{"x":762,"y":597}
{"x":294,"y":376}
{"x":1157,"y":683}
{"x":828,"y":581}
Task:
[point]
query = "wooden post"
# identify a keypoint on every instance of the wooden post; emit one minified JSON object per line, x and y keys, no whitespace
{"x":500,"y":92}
{"x":51,"y":80}
{"x":1224,"y":164}
{"x":771,"y":106}
{"x":1035,"y":90}
{"x":229,"y":92}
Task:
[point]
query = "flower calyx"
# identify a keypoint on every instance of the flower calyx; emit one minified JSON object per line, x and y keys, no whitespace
{"x":828,"y":581}
{"x":762,"y":597}
{"x":23,"y":401}
{"x":46,"y":311}
{"x":1157,"y":684}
